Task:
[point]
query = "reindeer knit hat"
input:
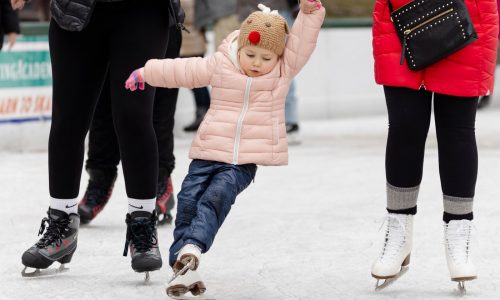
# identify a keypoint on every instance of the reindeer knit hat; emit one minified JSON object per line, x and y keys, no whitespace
{"x":265,"y":29}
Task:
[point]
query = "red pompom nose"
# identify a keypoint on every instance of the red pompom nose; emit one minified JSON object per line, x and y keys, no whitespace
{"x":254,"y":37}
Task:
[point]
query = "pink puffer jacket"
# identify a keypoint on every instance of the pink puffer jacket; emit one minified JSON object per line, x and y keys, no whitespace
{"x":246,"y":119}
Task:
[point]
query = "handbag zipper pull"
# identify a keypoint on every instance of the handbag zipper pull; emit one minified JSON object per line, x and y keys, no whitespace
{"x":403,"y":51}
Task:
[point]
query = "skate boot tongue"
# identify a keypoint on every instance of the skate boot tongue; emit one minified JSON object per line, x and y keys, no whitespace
{"x":57,"y":214}
{"x":138,"y":215}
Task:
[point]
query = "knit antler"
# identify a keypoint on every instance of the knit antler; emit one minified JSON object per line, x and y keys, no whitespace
{"x":267,"y":10}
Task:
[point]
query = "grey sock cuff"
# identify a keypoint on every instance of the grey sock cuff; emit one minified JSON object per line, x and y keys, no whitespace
{"x":399,"y":198}
{"x":457,"y":205}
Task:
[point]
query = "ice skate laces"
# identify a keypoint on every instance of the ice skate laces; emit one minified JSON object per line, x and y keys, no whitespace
{"x":54,"y":231}
{"x":394,"y":237}
{"x":141,"y":233}
{"x":458,"y":236}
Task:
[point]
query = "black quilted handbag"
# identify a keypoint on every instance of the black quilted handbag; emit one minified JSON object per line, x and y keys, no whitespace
{"x":72,"y":15}
{"x":430,"y":30}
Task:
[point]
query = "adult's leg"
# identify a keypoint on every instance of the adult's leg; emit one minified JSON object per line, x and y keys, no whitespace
{"x":78,"y":72}
{"x":140,"y":32}
{"x":291,"y":104}
{"x":103,"y":153}
{"x":409,"y":119}
{"x":202,"y":103}
{"x":164,"y":111}
{"x":103,"y":157}
{"x":455,"y":119}
{"x":163,"y":123}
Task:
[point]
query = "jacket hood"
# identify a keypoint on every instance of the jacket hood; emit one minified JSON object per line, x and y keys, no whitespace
{"x":229,"y":48}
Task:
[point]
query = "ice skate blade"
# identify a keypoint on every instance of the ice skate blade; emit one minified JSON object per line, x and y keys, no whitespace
{"x":44,"y":272}
{"x":197,"y":289}
{"x":188,"y":297}
{"x":147,"y":278}
{"x":461,"y":283}
{"x":182,"y":271}
{"x":389,"y":280}
{"x":461,"y":288}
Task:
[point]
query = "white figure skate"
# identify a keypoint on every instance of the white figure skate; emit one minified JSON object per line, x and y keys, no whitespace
{"x":187,"y":254}
{"x":395,"y":257}
{"x":457,"y":241}
{"x":184,"y":281}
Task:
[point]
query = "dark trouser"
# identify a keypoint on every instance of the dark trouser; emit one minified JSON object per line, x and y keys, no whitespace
{"x":201,"y":98}
{"x":120,"y":37}
{"x":409,"y":119}
{"x":206,"y":196}
{"x":104,"y":153}
{"x":201,"y":95}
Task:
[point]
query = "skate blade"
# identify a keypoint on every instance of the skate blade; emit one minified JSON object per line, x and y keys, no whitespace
{"x":192,"y":292}
{"x":461,"y":284}
{"x":461,"y":288}
{"x":388,"y":281}
{"x":191,"y":264}
{"x":187,"y":297}
{"x":44,"y":272}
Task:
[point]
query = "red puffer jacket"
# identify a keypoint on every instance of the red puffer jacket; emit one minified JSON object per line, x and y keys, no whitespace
{"x":468,"y":72}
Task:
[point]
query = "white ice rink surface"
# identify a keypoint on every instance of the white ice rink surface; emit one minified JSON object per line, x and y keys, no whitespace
{"x":306,"y":231}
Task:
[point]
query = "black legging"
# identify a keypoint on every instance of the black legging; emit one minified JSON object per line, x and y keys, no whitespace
{"x":409,"y":120}
{"x":121,"y":36}
{"x":104,"y":154}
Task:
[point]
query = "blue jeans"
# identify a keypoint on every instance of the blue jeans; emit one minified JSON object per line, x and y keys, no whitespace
{"x":206,"y":196}
{"x":291,"y":104}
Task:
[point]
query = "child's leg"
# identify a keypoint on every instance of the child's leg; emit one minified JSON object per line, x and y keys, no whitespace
{"x":193,"y":187}
{"x":213,"y":206}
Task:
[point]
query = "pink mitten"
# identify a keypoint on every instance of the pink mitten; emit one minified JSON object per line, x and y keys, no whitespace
{"x":136,"y":79}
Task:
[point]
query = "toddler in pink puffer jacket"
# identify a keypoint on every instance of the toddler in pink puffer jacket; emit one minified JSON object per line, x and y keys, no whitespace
{"x":244,"y":126}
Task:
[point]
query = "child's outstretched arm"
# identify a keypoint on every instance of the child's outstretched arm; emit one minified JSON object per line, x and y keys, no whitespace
{"x":303,"y":36}
{"x":190,"y":73}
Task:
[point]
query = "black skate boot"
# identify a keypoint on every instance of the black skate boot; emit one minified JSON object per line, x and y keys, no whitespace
{"x":143,"y":241}
{"x":96,"y":196}
{"x":57,"y":244}
{"x":165,"y":200}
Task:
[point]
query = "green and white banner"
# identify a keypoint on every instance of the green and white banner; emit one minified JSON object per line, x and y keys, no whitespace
{"x":26,"y":82}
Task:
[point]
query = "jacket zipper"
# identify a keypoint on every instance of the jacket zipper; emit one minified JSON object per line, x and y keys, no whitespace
{"x":407,"y":32}
{"x":239,"y":126}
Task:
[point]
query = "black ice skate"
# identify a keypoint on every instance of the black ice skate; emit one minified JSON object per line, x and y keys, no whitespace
{"x":143,"y":242}
{"x":99,"y":190}
{"x":57,"y":244}
{"x":165,"y":200}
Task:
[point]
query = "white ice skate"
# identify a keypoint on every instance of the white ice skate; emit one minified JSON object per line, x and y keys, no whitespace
{"x":457,"y":241}
{"x":189,"y":281}
{"x":187,"y":254}
{"x":395,"y":257}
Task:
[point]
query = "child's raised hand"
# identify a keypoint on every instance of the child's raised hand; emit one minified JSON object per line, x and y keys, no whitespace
{"x":135,"y":80}
{"x":308,"y":6}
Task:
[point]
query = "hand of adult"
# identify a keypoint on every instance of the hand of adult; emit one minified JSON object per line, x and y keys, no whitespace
{"x":11,"y":39}
{"x":17,"y":4}
{"x":308,"y":6}
{"x":135,"y":80}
